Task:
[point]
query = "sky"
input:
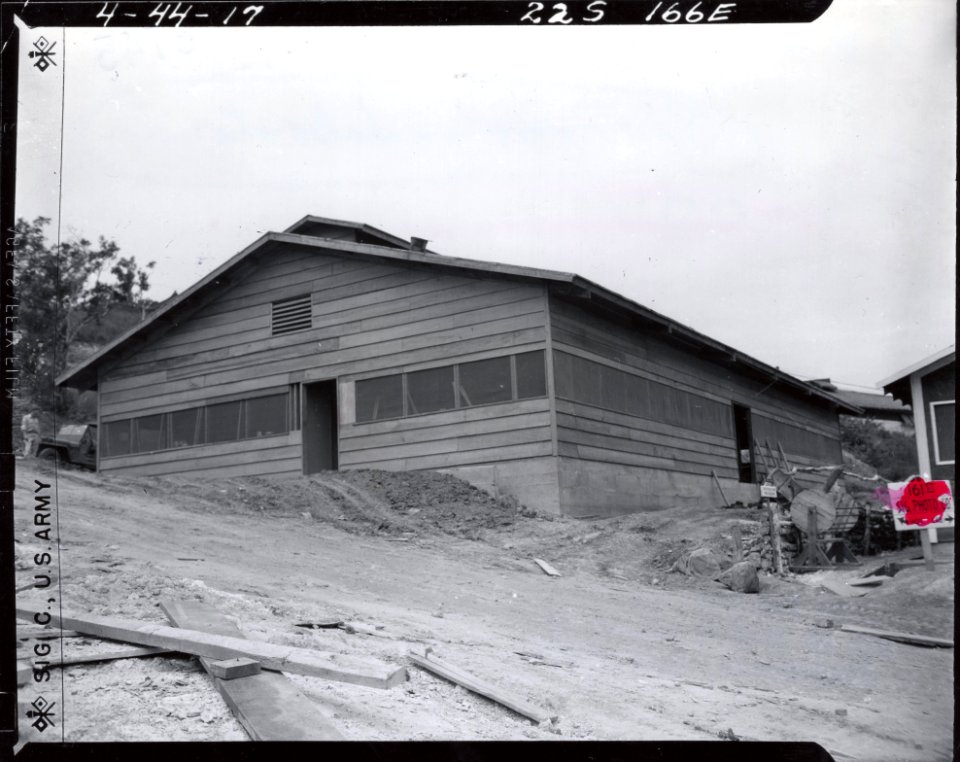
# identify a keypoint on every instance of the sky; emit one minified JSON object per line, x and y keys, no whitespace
{"x":786,"y":189}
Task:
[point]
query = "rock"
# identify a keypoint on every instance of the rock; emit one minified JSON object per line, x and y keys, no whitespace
{"x":840,"y":712}
{"x":741,"y":578}
{"x":703,"y":563}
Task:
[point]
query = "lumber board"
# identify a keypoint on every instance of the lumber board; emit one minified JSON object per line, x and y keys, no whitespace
{"x":233,"y":669}
{"x":267,"y":705}
{"x":547,"y":568}
{"x":369,"y":672}
{"x":31,"y":632}
{"x":478,"y":686}
{"x":868,"y":582}
{"x":902,"y":637}
{"x":24,"y":670}
{"x":842,"y":590}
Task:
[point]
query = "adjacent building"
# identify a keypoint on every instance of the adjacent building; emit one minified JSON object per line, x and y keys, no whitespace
{"x":335,"y":345}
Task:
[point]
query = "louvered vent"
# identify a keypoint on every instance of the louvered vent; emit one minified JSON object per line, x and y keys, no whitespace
{"x":291,"y":315}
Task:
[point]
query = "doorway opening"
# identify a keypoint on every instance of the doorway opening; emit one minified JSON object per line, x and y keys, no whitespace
{"x":744,"y":438}
{"x":320,"y":427}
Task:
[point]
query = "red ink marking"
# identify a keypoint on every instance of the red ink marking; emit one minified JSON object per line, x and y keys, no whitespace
{"x":922,"y":502}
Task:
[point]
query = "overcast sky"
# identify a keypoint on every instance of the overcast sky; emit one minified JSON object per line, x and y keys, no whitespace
{"x":786,"y":189}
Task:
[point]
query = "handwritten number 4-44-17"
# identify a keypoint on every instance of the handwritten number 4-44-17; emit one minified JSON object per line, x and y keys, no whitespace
{"x":670,"y":13}
{"x":177,"y":14}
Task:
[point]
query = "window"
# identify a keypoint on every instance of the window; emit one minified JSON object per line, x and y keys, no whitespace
{"x":430,"y":390}
{"x":485,"y":381}
{"x":290,"y":315}
{"x":223,"y":422}
{"x":943,"y":424}
{"x":379,"y":398}
{"x":186,"y":427}
{"x":149,"y":432}
{"x":116,"y":439}
{"x":499,"y":379}
{"x":266,"y":416}
{"x":591,"y":383}
{"x":531,"y":375}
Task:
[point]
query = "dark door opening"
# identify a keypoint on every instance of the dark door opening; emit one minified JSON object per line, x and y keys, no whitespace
{"x":320,"y":427}
{"x":744,"y":437}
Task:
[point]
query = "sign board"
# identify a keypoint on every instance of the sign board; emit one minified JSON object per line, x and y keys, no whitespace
{"x":768,"y":491}
{"x":918,"y":503}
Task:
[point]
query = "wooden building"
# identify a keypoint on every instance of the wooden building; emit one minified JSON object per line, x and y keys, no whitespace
{"x":336,"y":345}
{"x":930,"y":388}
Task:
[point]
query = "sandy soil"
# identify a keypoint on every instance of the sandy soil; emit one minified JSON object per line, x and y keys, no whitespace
{"x":618,"y":647}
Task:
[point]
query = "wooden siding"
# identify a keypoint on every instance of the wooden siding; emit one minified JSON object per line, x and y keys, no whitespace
{"x":368,"y":319}
{"x":596,"y":434}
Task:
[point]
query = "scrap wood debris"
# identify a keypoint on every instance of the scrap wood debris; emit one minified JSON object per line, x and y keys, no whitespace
{"x":303,"y":661}
{"x":902,"y":637}
{"x":456,"y":675}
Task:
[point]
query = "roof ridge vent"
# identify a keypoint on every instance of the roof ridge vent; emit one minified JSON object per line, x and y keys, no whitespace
{"x":418,"y":244}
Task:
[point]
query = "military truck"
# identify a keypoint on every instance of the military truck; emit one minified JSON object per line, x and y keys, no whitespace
{"x":74,"y":444}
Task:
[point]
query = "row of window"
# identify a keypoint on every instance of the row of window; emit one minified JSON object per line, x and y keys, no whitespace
{"x":499,"y":379}
{"x":222,"y":422}
{"x":796,"y":440}
{"x":591,"y":383}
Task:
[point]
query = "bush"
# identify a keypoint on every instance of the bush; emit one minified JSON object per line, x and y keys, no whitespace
{"x":892,"y":453}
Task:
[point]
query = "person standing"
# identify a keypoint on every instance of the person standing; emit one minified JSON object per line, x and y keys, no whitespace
{"x":30,"y":427}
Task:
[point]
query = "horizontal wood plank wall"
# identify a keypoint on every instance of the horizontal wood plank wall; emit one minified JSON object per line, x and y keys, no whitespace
{"x":369,"y":319}
{"x":596,"y":434}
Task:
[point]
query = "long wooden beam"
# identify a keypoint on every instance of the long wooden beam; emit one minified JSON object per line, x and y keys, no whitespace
{"x":903,"y":637}
{"x":369,"y":672}
{"x":24,"y":670}
{"x":268,"y":705}
{"x":475,"y":684}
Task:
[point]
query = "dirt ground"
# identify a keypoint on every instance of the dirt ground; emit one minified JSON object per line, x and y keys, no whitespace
{"x":618,"y":646}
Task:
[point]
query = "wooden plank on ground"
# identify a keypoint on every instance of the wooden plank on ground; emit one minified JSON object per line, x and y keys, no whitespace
{"x":233,"y":669}
{"x":868,"y":582}
{"x":369,"y":672}
{"x":547,"y":568}
{"x":475,"y":684}
{"x":903,"y":637}
{"x":844,"y":590}
{"x":268,"y":705}
{"x":35,"y":632}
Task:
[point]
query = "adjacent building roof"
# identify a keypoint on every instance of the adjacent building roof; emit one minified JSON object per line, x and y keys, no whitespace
{"x":393,"y":248}
{"x":899,"y":383}
{"x":876,"y":405}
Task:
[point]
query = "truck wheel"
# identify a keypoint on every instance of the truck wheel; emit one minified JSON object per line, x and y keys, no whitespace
{"x":49,"y":454}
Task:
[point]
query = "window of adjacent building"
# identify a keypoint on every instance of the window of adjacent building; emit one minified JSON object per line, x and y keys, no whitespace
{"x":430,"y":390}
{"x":116,"y":437}
{"x":224,"y":422}
{"x":266,"y":416}
{"x":485,"y":381}
{"x":944,"y":429}
{"x":289,"y":315}
{"x":379,"y":398}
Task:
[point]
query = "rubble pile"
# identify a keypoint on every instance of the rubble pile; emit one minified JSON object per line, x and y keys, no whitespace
{"x":758,"y":541}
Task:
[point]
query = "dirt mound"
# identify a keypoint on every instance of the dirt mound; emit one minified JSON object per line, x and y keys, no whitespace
{"x":359,"y":502}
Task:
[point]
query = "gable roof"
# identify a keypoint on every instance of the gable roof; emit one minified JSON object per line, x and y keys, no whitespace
{"x":899,"y":383}
{"x":84,"y":374}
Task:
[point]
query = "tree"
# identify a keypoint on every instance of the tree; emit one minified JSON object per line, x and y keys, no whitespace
{"x":892,"y":453}
{"x":61,"y":290}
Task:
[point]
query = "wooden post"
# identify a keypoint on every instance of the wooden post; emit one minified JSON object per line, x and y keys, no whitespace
{"x":927,"y":549}
{"x":866,"y":531}
{"x":774,"y":510}
{"x":737,"y":542}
